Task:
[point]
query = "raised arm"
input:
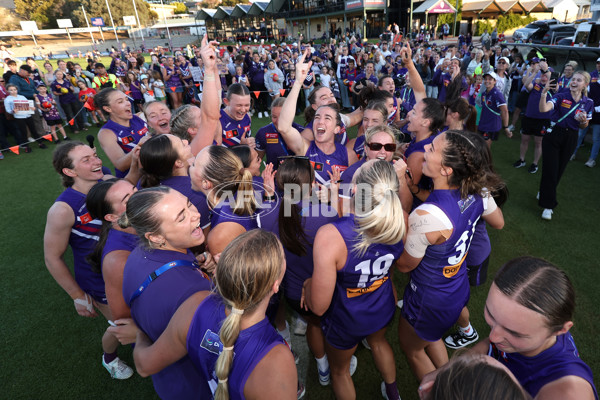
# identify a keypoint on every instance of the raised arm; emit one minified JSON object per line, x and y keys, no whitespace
{"x":415,"y":78}
{"x":292,"y":137}
{"x":211,"y":100}
{"x":108,"y":142}
{"x":545,"y":105}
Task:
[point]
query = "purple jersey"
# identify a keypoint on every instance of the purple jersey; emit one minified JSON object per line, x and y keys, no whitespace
{"x":134,"y":88}
{"x":348,"y":174}
{"x":563,"y":84}
{"x":419,"y":147}
{"x":223,"y":212}
{"x":83,"y":239}
{"x":491,"y":119}
{"x":183,"y":184}
{"x":408,"y":101}
{"x":153,"y":310}
{"x":269,"y":140}
{"x":564,"y":103}
{"x":594,"y":94}
{"x":442,"y":80}
{"x":481,"y":247}
{"x":363,"y":300}
{"x":233,"y":130}
{"x":127,"y":136}
{"x":64,"y":98}
{"x":119,"y":240}
{"x":204,"y":347}
{"x":560,"y":360}
{"x":359,"y":146}
{"x":322,"y":163}
{"x":363,"y":77}
{"x":174,"y":80}
{"x":533,"y":103}
{"x":50,"y":114}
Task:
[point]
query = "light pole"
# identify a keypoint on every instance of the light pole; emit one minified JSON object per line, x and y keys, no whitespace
{"x":112,"y":22}
{"x":88,"y":25}
{"x":139,"y":24}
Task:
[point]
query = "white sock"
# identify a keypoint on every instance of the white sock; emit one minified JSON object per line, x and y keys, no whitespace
{"x":322,"y":363}
{"x":285,"y":334}
{"x":468,"y":331}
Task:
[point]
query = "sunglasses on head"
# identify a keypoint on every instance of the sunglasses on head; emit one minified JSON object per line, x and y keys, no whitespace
{"x":377,"y":146}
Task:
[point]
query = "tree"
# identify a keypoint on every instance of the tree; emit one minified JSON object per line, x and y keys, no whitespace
{"x":8,"y":21}
{"x":449,"y":18}
{"x":232,"y":3}
{"x":210,"y":4}
{"x":180,"y":8}
{"x":94,"y":8}
{"x":35,"y":10}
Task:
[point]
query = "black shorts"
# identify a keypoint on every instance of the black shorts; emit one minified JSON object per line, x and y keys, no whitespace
{"x":534,"y":126}
{"x":493,"y":136}
{"x":522,"y":100}
{"x":54,"y":122}
{"x":478,"y":273}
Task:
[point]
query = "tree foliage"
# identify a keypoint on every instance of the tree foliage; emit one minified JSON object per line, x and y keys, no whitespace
{"x":8,"y":21}
{"x":232,"y":3}
{"x":35,"y":10}
{"x":503,"y":23}
{"x":449,"y":18}
{"x":97,"y":8}
{"x":180,"y":8}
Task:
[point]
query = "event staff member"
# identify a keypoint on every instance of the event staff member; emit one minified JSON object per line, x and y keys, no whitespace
{"x":103,"y":80}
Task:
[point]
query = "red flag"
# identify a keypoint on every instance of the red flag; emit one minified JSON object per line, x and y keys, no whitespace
{"x":282,"y":91}
{"x":128,"y":92}
{"x":257,"y":93}
{"x":197,"y":85}
{"x":72,"y":121}
{"x":15,"y":149}
{"x":48,"y":137}
{"x":173,"y":88}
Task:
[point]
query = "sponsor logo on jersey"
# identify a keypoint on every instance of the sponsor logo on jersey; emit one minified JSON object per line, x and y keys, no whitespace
{"x":566,"y":103}
{"x":355,"y":292}
{"x":230,"y":134}
{"x":466,"y":203}
{"x":451,"y":270}
{"x":272,"y":138}
{"x":211,"y":342}
{"x":128,"y":139}
{"x":342,"y":168}
{"x":86,"y":218}
{"x":143,"y":131}
{"x":317,"y":166}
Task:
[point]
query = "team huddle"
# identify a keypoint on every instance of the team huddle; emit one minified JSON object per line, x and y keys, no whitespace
{"x":207,"y":236}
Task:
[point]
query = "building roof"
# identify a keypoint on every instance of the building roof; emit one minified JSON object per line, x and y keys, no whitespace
{"x":206,"y":13}
{"x":240,"y":10}
{"x":435,"y":7}
{"x":223,"y":12}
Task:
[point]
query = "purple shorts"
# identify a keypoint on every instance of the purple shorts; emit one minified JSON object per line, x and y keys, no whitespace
{"x":341,"y":338}
{"x":431,"y":321}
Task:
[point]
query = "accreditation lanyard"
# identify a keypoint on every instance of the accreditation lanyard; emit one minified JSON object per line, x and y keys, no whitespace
{"x":158,"y":272}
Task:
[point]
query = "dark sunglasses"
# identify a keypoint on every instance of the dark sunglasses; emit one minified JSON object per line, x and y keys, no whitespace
{"x":377,"y":146}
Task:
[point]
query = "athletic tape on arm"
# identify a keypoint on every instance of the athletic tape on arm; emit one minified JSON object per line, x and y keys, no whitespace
{"x":426,"y":218}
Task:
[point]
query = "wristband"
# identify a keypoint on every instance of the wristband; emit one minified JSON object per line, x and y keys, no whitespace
{"x":269,"y":198}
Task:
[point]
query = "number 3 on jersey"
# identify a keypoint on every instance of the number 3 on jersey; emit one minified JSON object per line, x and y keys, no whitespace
{"x":376,"y":271}
{"x":462,"y":247}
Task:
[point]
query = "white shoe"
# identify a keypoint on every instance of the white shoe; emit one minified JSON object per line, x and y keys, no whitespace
{"x":117,"y":368}
{"x":31,"y":140}
{"x":366,"y":344}
{"x":572,"y":157}
{"x":400,"y":304}
{"x":300,"y":328}
{"x":266,"y":114}
{"x":590,"y":163}
{"x":353,"y":365}
{"x":87,"y":124}
{"x":547,"y":214}
{"x":537,"y":196}
{"x":260,"y":115}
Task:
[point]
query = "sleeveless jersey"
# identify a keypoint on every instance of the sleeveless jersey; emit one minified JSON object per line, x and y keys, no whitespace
{"x":234,"y":131}
{"x":174,"y":80}
{"x":269,"y":140}
{"x":49,"y":114}
{"x":127,"y":136}
{"x":223,"y":212}
{"x":119,"y":240}
{"x":322,"y":162}
{"x":183,"y":184}
{"x":481,"y":247}
{"x":419,"y":147}
{"x":83,"y":239}
{"x":359,"y":146}
{"x":441,"y":273}
{"x":363,"y":300}
{"x":204,"y":347}
{"x":153,"y":310}
{"x":562,"y":359}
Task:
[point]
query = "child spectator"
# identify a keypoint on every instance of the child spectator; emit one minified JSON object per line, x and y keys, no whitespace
{"x":46,"y":104}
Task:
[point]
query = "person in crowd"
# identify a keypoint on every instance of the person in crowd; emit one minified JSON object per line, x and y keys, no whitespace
{"x":594,"y":94}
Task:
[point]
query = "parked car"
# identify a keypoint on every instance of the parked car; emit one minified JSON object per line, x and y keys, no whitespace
{"x":568,"y":41}
{"x":587,"y":34}
{"x":553,"y":33}
{"x":524,"y":34}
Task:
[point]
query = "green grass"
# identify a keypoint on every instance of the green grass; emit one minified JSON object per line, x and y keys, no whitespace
{"x":49,"y":352}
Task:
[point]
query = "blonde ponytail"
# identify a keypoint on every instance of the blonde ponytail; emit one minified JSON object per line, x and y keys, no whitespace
{"x":377,"y":207}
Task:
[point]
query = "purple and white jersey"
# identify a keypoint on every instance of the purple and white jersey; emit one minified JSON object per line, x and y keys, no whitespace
{"x":322,"y":163}
{"x":363,"y":300}
{"x":153,"y":310}
{"x":83,"y":239}
{"x":481,"y":247}
{"x":269,"y":140}
{"x":408,"y":101}
{"x":233,"y":130}
{"x":533,"y":103}
{"x":564,"y":103}
{"x":440,"y":273}
{"x":204,"y":347}
{"x":174,"y":80}
{"x":491,"y":101}
{"x":127,"y":136}
{"x":119,"y":240}
{"x":594,"y":94}
{"x":560,"y":360}
{"x":223,"y":212}
{"x":359,"y":146}
{"x":183,"y":184}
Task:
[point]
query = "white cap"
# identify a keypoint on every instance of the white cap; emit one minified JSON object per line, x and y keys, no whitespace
{"x":295,"y":44}
{"x":492,"y":74}
{"x":505,"y":59}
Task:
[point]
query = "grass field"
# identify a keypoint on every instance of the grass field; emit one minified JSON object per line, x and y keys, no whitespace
{"x":49,"y":352}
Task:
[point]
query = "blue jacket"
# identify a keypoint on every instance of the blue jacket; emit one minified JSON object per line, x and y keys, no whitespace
{"x":24,"y":88}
